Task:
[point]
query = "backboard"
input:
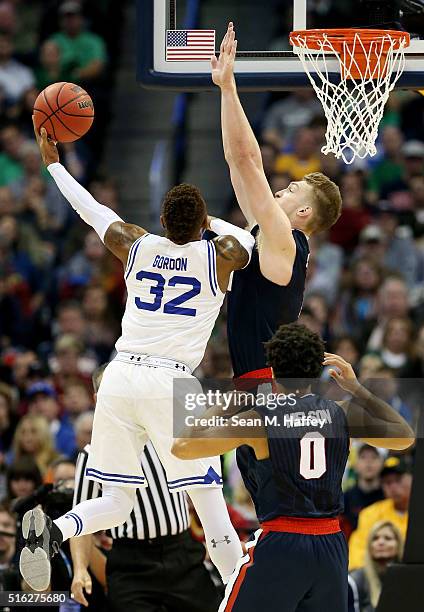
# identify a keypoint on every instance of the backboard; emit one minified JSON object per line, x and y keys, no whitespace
{"x":257,"y":68}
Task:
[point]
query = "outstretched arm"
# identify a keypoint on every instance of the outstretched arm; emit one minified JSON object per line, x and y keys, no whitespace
{"x":117,"y":235}
{"x":200,"y":439}
{"x":369,"y":418}
{"x":247,"y":174}
{"x":233,"y":246}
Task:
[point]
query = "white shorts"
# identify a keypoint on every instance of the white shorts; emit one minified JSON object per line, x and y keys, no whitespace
{"x":134,"y":404}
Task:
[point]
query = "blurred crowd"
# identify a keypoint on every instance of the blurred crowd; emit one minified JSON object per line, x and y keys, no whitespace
{"x":62,"y":294}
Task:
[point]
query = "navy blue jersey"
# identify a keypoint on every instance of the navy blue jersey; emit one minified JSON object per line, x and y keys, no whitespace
{"x":308,"y":451}
{"x":257,"y":307}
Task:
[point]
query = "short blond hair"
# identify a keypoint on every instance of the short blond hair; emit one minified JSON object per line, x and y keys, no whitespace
{"x":327,"y":201}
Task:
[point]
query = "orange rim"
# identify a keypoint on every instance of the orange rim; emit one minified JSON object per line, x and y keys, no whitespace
{"x":346,"y":36}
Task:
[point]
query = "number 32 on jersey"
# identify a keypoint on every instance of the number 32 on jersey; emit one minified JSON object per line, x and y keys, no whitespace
{"x":157,"y":290}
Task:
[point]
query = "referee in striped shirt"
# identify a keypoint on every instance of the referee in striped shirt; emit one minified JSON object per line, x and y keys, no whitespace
{"x":154,"y":565}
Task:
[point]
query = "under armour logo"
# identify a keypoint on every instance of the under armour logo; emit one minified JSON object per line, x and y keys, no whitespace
{"x":132,"y":357}
{"x":226,"y":540}
{"x":177,"y":365}
{"x":138,"y":358}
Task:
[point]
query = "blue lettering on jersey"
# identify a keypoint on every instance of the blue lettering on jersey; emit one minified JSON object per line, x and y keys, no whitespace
{"x":170,"y":263}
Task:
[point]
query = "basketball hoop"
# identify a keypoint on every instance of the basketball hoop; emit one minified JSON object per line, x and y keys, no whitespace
{"x":370,"y":63}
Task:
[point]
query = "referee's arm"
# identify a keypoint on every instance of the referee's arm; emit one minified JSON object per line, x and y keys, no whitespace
{"x":83,"y":551}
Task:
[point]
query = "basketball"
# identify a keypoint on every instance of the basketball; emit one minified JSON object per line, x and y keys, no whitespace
{"x":65,"y":110}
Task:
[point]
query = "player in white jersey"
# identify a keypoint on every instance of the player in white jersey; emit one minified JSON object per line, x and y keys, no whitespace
{"x":176,"y":285}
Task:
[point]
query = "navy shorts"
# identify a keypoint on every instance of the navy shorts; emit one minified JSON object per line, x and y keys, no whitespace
{"x":290,"y":572}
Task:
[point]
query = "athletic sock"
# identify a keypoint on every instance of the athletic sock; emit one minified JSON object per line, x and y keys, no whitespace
{"x":221,"y":538}
{"x":110,"y":510}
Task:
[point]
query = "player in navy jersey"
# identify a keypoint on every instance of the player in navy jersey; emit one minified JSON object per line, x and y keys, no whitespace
{"x":292,"y":459}
{"x":269,"y":291}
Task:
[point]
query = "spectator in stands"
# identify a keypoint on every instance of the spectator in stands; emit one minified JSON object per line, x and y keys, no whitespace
{"x":83,"y":427}
{"x":371,"y":245}
{"x":15,"y":78}
{"x":10,"y":307}
{"x":396,"y":191}
{"x":416,"y":216}
{"x":355,"y":215}
{"x":29,"y":156}
{"x":415,"y":368}
{"x":33,"y":438}
{"x":286,"y":116}
{"x":63,"y":471}
{"x":9,"y":577}
{"x":18,"y":244}
{"x":76,"y":399}
{"x":386,"y":384}
{"x":304,"y":158}
{"x":23,"y":478}
{"x":385,"y":546}
{"x":102,"y":329}
{"x":390,"y":168}
{"x":317,"y":304}
{"x":348,"y":349}
{"x":269,"y":153}
{"x":392,"y":301}
{"x":325,"y":267}
{"x":11,"y":168}
{"x":367,"y":490}
{"x":69,"y":362}
{"x":50,"y":69}
{"x":36,"y":214}
{"x":8,"y":419}
{"x":70,"y":320}
{"x":83,"y":53}
{"x":106,"y":191}
{"x":358,"y":302}
{"x":307,"y":318}
{"x":42,"y":401}
{"x":397,"y":343}
{"x":26,"y":370}
{"x":401,"y":254}
{"x":8,"y":204}
{"x":396,"y":481}
{"x":83,"y":266}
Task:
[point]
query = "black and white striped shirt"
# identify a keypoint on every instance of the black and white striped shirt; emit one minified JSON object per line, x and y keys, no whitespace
{"x":157,"y":511}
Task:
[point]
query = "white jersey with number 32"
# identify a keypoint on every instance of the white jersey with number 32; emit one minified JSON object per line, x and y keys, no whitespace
{"x":173,"y":299}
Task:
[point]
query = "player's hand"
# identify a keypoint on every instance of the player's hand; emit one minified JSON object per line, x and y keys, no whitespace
{"x":223,"y":68}
{"x":344,"y":374}
{"x":81,"y":582}
{"x":48,"y":149}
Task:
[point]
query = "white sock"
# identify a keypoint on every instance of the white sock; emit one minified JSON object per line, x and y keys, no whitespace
{"x":110,"y":510}
{"x":221,"y":538}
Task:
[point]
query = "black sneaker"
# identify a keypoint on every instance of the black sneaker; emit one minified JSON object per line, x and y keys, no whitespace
{"x":42,"y":541}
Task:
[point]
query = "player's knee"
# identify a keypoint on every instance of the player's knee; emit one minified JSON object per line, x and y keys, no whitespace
{"x":123,"y":499}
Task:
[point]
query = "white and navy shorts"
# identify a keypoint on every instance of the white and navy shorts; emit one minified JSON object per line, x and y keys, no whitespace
{"x":135,"y":404}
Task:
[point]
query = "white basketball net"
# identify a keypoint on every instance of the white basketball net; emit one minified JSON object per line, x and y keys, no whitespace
{"x":353,"y":107}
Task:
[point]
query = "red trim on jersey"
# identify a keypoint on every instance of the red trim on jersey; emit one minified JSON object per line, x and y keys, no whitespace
{"x":239,"y":581}
{"x":262,"y":373}
{"x":252,"y":379}
{"x":306,"y":526}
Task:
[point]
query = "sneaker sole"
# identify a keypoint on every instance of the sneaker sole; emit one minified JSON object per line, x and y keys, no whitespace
{"x":35,"y":564}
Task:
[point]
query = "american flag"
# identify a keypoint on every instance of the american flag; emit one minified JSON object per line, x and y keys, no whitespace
{"x":189,"y":45}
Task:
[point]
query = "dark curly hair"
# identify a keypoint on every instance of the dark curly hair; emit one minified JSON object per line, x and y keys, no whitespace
{"x":295,"y":353}
{"x":183,"y":213}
